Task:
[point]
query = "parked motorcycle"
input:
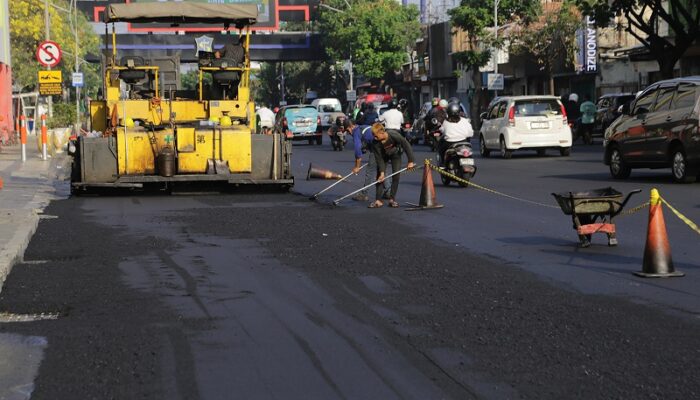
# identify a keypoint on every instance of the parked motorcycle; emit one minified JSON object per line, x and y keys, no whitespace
{"x":458,"y":160}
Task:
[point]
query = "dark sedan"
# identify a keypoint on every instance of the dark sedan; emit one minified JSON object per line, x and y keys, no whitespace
{"x":659,"y":129}
{"x":608,"y":109}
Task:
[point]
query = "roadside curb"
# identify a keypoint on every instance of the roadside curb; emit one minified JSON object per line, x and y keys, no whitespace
{"x":27,"y":191}
{"x":25,"y":223}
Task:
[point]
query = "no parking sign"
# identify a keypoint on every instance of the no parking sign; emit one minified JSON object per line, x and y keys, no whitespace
{"x":48,"y":53}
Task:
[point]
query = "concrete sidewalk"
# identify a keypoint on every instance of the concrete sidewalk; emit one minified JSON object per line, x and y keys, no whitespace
{"x":27,"y":189}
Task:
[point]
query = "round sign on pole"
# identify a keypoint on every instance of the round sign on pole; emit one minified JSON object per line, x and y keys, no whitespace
{"x":48,"y":53}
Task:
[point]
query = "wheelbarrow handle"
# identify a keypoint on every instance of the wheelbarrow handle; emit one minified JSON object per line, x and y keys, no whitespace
{"x":627,"y":198}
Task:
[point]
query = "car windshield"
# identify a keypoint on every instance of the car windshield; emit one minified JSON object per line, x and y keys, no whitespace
{"x":625,"y":99}
{"x":538,"y":107}
{"x":330,"y":107}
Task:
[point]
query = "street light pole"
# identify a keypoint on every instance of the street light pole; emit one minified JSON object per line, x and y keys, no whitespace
{"x":47,"y":36}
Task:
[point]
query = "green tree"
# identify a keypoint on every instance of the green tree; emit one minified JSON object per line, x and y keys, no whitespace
{"x":190,"y":80}
{"x":474,"y":17}
{"x":318,"y":76}
{"x":374,"y":33}
{"x":642,"y":19}
{"x":27,"y":31}
{"x":550,"y":40}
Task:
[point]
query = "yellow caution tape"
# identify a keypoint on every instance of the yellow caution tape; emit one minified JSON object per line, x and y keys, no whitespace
{"x":634,"y":210}
{"x":682,"y":217}
{"x":470,"y":183}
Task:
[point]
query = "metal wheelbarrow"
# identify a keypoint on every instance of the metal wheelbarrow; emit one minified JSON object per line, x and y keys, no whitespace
{"x":593,"y":211}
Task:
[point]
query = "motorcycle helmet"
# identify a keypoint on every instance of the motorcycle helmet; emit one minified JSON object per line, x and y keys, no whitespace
{"x":393,"y":104}
{"x":436,"y":101}
{"x":453,"y":111}
{"x":276,"y":110}
{"x":403,"y":104}
{"x":573,"y":97}
{"x":340,"y":122}
{"x":443,"y":103}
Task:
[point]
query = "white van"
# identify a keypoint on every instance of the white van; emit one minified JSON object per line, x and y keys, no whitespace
{"x":525,"y":122}
{"x":328,"y":110}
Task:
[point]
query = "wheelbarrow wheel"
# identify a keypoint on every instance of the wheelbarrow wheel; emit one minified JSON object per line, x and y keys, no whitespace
{"x":584,"y":241}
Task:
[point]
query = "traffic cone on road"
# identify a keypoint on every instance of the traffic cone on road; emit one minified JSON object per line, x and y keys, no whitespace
{"x":657,"y":251}
{"x":321,"y":173}
{"x":428,"y":199}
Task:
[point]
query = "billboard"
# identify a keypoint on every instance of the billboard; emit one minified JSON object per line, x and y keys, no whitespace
{"x":587,"y":40}
{"x":270,"y":13}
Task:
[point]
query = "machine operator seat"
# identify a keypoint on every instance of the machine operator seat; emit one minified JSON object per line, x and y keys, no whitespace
{"x":132,"y":76}
{"x":224,"y":77}
{"x":225,"y":83}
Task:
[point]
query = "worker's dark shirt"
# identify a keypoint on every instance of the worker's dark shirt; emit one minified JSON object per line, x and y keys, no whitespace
{"x":393,"y":146}
{"x":234,"y":52}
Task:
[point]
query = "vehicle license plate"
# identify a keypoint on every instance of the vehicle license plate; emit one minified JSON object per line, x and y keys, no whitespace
{"x":302,"y":124}
{"x":539,"y":125}
{"x":466,"y":161}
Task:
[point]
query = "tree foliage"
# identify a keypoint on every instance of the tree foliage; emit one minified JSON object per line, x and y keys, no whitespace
{"x":300,"y":77}
{"x":550,"y":40}
{"x":642,"y":19}
{"x":375,"y":33}
{"x":474,"y":17}
{"x":27,"y":31}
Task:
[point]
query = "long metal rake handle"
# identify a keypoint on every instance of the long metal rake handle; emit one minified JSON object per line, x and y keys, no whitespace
{"x":336,"y":182}
{"x":336,"y":201}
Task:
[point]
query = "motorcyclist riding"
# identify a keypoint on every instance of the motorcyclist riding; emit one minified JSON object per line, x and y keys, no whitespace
{"x":433,"y":119}
{"x":437,"y":112}
{"x":371,"y":115}
{"x":337,"y":134}
{"x":454,"y":129}
{"x":392,"y":118}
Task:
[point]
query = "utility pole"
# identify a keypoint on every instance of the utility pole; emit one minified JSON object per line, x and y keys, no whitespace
{"x":77,"y":88}
{"x":282,"y":80}
{"x":495,"y":39}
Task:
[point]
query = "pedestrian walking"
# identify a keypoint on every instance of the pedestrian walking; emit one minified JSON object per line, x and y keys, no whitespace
{"x":362,"y":139}
{"x":588,"y":111}
{"x":387,"y":148}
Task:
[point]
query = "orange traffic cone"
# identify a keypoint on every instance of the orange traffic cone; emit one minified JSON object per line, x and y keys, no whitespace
{"x":428,"y":199}
{"x":1,"y":182}
{"x":657,"y":251}
{"x":321,"y":173}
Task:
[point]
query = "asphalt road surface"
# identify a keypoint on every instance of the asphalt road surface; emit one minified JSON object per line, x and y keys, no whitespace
{"x":273,"y":296}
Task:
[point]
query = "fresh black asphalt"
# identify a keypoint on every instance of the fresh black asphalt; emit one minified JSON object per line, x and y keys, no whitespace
{"x":182,"y":297}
